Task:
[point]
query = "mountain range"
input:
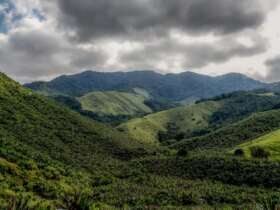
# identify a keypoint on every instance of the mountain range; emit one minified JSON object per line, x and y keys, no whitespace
{"x":187,"y":86}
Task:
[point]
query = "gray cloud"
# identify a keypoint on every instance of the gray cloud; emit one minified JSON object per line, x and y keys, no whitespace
{"x":32,"y":50}
{"x":273,"y":69}
{"x":37,"y":54}
{"x":133,"y":18}
{"x":172,"y":52}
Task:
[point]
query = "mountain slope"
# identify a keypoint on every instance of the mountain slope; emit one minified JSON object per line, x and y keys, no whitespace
{"x":49,"y":153}
{"x":52,"y":158}
{"x":177,"y":87}
{"x":52,"y":129}
{"x":114,"y":103}
{"x":184,"y":119}
{"x":201,"y":118}
{"x":229,"y":136}
{"x":269,"y":143}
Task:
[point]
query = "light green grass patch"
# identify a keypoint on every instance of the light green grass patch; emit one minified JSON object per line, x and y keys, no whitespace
{"x":186,"y":118}
{"x":270,"y":142}
{"x":114,"y":103}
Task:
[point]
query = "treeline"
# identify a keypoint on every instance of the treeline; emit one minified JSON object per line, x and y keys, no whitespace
{"x":226,"y":169}
{"x":250,"y":128}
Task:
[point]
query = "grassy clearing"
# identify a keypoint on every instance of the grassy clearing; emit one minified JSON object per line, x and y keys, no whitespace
{"x":187,"y":119}
{"x":114,"y":103}
{"x":269,"y":142}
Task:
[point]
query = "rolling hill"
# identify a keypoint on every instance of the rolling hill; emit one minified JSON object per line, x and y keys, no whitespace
{"x":44,"y":125}
{"x":269,"y":143}
{"x":199,"y":119}
{"x":115,"y":103}
{"x":231,"y":135}
{"x":185,"y":119}
{"x":53,"y":158}
{"x":186,"y":86}
{"x":114,"y":107}
{"x":44,"y":147}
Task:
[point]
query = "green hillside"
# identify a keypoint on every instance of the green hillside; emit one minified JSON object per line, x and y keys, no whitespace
{"x":52,"y":158}
{"x":43,"y":124}
{"x":269,"y":142}
{"x":234,"y":134}
{"x":114,"y":103}
{"x":185,"y":119}
{"x":204,"y":117}
{"x":45,"y":147}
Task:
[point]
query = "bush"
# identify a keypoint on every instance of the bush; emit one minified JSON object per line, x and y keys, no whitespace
{"x":80,"y":201}
{"x":182,"y":153}
{"x":102,"y":181}
{"x":258,"y":152}
{"x":239,"y":152}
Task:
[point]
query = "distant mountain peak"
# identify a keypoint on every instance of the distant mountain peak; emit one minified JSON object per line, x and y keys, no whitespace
{"x":175,"y":87}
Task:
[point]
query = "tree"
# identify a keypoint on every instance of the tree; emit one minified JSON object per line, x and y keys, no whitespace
{"x":259,"y":152}
{"x":239,"y":152}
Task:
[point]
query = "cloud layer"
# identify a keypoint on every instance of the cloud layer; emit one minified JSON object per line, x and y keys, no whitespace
{"x":48,"y":38}
{"x":192,"y":55}
{"x":127,"y":18}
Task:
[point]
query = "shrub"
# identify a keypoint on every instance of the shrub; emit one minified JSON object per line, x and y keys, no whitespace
{"x":27,"y":202}
{"x":239,"y":152}
{"x":101,"y":181}
{"x":182,"y":153}
{"x":259,"y":152}
{"x":80,"y":201}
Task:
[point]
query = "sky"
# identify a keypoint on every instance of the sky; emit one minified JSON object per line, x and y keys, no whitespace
{"x":40,"y":40}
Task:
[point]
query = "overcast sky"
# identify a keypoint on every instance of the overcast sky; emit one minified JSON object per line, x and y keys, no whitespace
{"x":42,"y":39}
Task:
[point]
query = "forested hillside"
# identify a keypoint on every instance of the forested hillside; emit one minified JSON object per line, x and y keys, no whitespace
{"x":53,"y":158}
{"x":204,"y":117}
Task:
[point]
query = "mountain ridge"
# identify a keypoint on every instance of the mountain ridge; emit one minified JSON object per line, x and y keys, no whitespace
{"x":176,"y":87}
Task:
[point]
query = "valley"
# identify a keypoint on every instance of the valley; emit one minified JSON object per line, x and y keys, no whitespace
{"x":139,"y":105}
{"x":165,"y":155}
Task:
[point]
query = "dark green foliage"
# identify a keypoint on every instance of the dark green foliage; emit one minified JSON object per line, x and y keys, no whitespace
{"x":182,"y":152}
{"x":79,"y":201}
{"x":108,"y":119}
{"x":160,"y":104}
{"x":171,"y":133}
{"x":52,"y":158}
{"x":238,"y":105}
{"x":68,"y":101}
{"x":239,"y":152}
{"x":24,"y":202}
{"x":258,"y":152}
{"x":229,"y":170}
{"x":231,"y":135}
